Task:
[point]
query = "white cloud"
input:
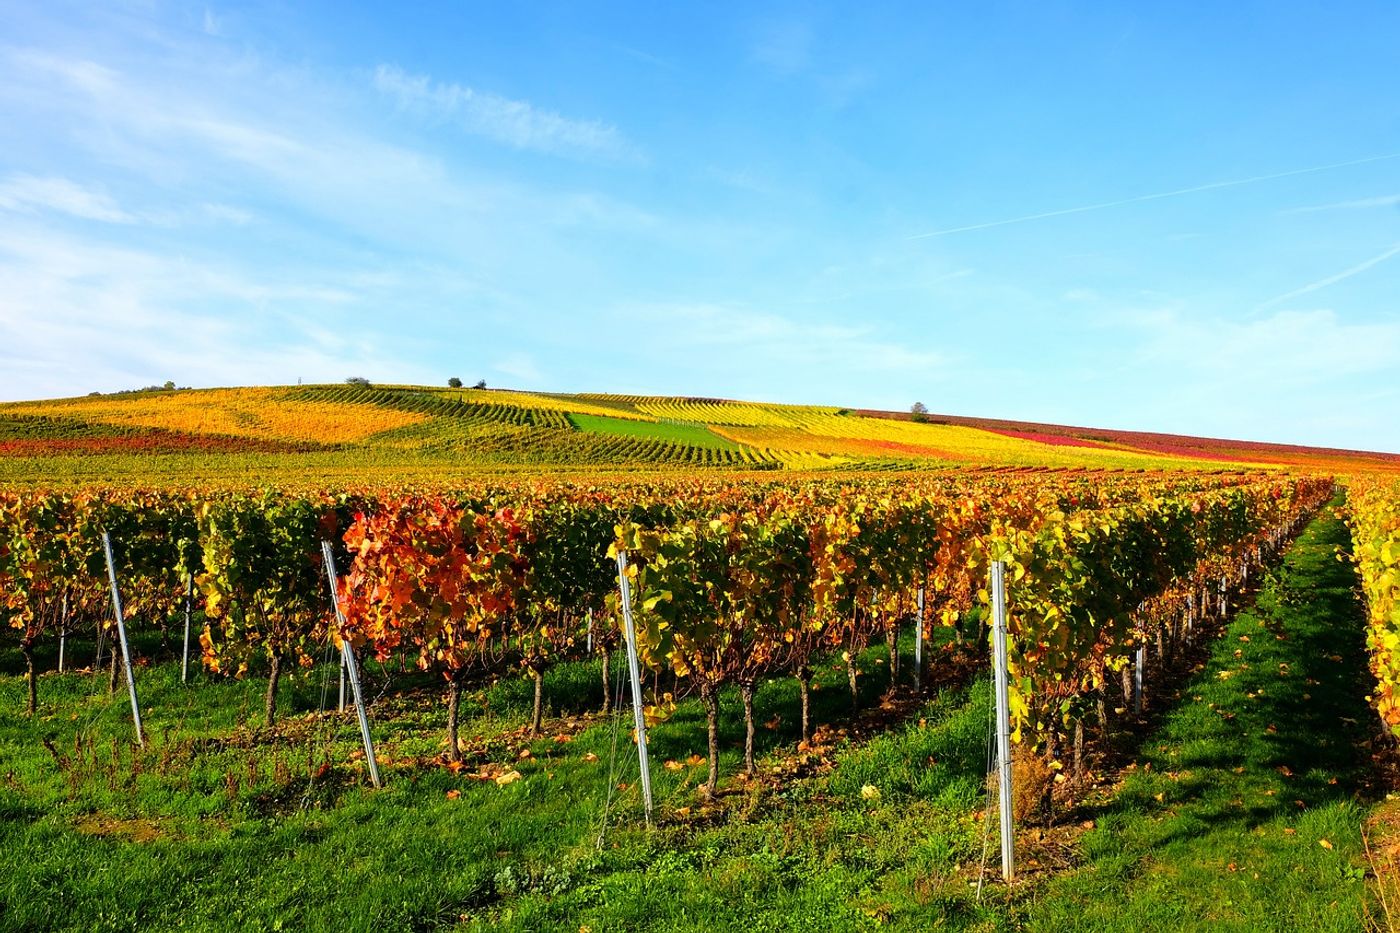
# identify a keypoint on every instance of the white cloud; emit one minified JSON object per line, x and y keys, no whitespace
{"x":519,"y":366}
{"x":1389,"y":200}
{"x":1291,"y":376}
{"x":77,"y":316}
{"x":30,"y":193}
{"x":1284,"y":348}
{"x":785,"y":47}
{"x":1334,"y":279}
{"x":516,"y":123}
{"x":740,"y":336}
{"x":226,"y":213}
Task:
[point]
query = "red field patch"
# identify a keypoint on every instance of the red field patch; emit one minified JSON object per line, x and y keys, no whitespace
{"x":1054,"y":440}
{"x":141,"y":444}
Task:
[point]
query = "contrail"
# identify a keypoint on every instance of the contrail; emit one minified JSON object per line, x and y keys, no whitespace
{"x":1155,"y":197}
{"x":1334,"y":279}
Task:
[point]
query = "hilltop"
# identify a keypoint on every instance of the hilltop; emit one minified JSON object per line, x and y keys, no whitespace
{"x":419,"y":432}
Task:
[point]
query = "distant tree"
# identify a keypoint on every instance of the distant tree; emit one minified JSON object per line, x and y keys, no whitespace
{"x":169,"y":385}
{"x":480,"y":384}
{"x":357,"y":381}
{"x":454,"y":383}
{"x":918,"y":412}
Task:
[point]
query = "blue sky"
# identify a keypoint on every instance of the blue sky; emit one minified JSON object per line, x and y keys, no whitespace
{"x":1182,"y":218}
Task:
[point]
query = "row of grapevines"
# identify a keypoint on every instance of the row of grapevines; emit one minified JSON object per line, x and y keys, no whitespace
{"x":1374,"y":504}
{"x":1088,"y":587}
{"x":736,"y":580}
{"x":728,"y":597}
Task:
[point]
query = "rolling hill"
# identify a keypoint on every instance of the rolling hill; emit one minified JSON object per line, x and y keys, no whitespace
{"x":418,"y":432}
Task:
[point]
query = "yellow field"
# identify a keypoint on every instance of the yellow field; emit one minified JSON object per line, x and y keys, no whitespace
{"x":255,"y":412}
{"x":859,"y":438}
{"x":739,"y":414}
{"x":543,"y":402}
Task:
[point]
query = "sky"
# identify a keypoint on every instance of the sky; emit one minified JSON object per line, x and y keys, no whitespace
{"x":1172,"y":217}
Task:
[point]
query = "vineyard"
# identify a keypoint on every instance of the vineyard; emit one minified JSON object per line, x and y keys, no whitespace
{"x":762,"y":606}
{"x":329,"y":435}
{"x":810,"y":595}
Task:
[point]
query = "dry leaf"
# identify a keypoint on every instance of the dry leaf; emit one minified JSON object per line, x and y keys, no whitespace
{"x":509,"y":777}
{"x":453,"y":794}
{"x":673,"y":765}
{"x":590,"y":757}
{"x":1324,"y":843}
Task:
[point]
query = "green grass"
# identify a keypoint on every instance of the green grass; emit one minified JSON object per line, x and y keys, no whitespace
{"x":1208,"y":832}
{"x":692,"y":434}
{"x":219,"y":824}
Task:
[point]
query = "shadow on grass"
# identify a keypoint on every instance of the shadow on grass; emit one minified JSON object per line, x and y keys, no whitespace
{"x":1258,"y":762}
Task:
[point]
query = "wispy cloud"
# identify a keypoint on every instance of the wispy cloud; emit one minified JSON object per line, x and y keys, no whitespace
{"x":516,"y":123}
{"x":1276,"y":377}
{"x":785,"y":47}
{"x":78,"y":315}
{"x":520,"y":366}
{"x":1333,"y":279}
{"x":31,"y":193}
{"x":1389,"y":200}
{"x":645,"y":57}
{"x":1233,"y":359}
{"x":1194,"y":189}
{"x":766,"y":340}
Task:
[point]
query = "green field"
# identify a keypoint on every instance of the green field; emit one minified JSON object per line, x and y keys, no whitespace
{"x":677,"y":433}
